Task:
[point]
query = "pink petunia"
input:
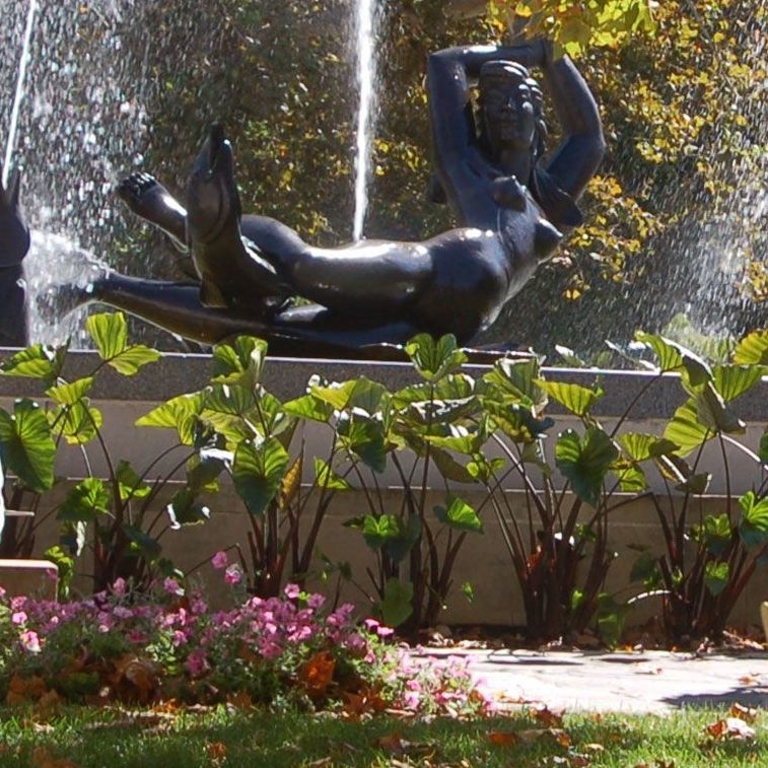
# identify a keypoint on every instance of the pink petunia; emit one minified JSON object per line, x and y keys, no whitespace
{"x":219,"y":560}
{"x":233,"y":574}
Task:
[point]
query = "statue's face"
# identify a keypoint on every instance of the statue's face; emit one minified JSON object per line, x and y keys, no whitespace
{"x":509,"y":114}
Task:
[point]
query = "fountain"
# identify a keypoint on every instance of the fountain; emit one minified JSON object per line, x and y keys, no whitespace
{"x":367,"y":21}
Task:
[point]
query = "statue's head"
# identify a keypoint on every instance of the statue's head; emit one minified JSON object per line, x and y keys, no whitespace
{"x":14,"y":233}
{"x":511,"y":105}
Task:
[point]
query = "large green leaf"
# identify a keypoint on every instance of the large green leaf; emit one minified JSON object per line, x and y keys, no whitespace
{"x":686,"y":430}
{"x":716,"y":577}
{"x":631,"y":477}
{"x":327,"y":478}
{"x":132,"y":359}
{"x":109,"y":331}
{"x":734,"y":380}
{"x":241,"y":362}
{"x":27,"y":447}
{"x":585,"y":462}
{"x":361,"y":393}
{"x":516,"y":380}
{"x":180,"y":413}
{"x":87,"y":501}
{"x":752,"y":349}
{"x":674,"y":357}
{"x":258,"y":471}
{"x":309,"y":407}
{"x":641,"y":446}
{"x":715,"y":533}
{"x":517,"y":421}
{"x":459,"y":515}
{"x":130,"y":485}
{"x":378,"y":530}
{"x":78,"y":423}
{"x":39,"y":361}
{"x":364,"y":437}
{"x":753,"y":527}
{"x":715,"y":414}
{"x":434,"y":359}
{"x":576,"y":398}
{"x":396,"y":606}
{"x":70,"y":393}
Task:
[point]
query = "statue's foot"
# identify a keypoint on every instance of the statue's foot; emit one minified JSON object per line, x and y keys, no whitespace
{"x":57,"y":301}
{"x":150,"y":200}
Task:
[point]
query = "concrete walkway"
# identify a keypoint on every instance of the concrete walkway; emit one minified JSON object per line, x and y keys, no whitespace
{"x":647,"y":681}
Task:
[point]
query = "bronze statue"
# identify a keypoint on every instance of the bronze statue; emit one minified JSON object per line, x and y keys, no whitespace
{"x":14,"y":245}
{"x":511,"y":205}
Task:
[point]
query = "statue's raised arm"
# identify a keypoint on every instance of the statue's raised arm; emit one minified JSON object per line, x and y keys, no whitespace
{"x":506,"y":137}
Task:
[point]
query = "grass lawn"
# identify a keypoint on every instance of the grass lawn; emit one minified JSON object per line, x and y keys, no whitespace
{"x":72,"y":737}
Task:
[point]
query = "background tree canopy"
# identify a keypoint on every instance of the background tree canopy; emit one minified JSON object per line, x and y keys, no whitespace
{"x":674,"y":212}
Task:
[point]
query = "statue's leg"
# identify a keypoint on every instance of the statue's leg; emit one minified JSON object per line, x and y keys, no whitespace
{"x":150,"y":200}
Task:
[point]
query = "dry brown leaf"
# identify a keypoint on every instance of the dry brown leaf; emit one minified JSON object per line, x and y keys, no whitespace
{"x":216,"y":752}
{"x":545,"y":715}
{"x":240,"y":700}
{"x":747,"y":714}
{"x":531,"y":735}
{"x":749,"y":680}
{"x":316,"y":674}
{"x":22,"y":689}
{"x":732,"y":729}
{"x":135,"y":679}
{"x":42,"y":758}
{"x":503,"y":738}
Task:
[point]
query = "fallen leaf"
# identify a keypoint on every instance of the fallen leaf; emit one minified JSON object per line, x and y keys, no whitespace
{"x":747,"y":714}
{"x":316,"y":674}
{"x":22,"y":689}
{"x":593,"y":747}
{"x":531,"y":735}
{"x":503,"y":738}
{"x":749,"y":680}
{"x":216,"y":752}
{"x":731,"y":728}
{"x":42,"y":758}
{"x":135,"y":679}
{"x":545,"y":715}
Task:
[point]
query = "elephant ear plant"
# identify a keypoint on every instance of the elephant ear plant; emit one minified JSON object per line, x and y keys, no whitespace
{"x":262,"y":450}
{"x":709,"y":556}
{"x":116,"y":517}
{"x":413,"y":532}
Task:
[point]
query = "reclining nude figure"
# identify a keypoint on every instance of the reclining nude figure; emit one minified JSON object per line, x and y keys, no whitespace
{"x":511,"y":206}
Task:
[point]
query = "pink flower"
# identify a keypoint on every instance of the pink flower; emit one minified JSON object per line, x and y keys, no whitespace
{"x":196,"y":663}
{"x":19,"y":618}
{"x":172,"y":587}
{"x":219,"y":560}
{"x":30,"y":641}
{"x":233,"y":574}
{"x":119,"y":588}
{"x":292,"y":591}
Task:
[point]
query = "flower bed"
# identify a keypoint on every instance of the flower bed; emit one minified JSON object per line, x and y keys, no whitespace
{"x":283,"y":651}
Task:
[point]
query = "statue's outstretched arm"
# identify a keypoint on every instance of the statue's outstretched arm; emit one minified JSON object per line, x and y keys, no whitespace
{"x":576,"y":159}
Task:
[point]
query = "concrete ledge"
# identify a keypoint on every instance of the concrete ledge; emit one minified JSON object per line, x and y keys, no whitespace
{"x":36,"y":578}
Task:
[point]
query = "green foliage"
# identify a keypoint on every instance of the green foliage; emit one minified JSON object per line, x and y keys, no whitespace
{"x":708,"y":558}
{"x":108,"y":517}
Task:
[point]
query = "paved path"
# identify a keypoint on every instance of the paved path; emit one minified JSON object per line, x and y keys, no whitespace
{"x":648,"y":681}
